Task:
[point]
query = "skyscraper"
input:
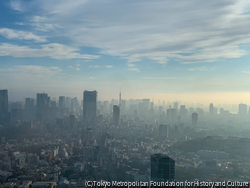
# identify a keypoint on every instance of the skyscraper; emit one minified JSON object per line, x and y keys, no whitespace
{"x":3,"y":106}
{"x":62,"y":105}
{"x":162,"y":168}
{"x":29,"y":108}
{"x":176,"y":105}
{"x":116,"y":115}
{"x":146,"y":103}
{"x":89,"y":107}
{"x":194,"y":119}
{"x":163,"y":132}
{"x":211,"y":109}
{"x":242,"y":109}
{"x":43,"y":103}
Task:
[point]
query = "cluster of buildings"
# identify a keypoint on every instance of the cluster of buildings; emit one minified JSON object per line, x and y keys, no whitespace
{"x":66,"y":142}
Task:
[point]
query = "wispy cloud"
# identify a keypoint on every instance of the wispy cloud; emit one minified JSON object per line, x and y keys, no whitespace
{"x":140,"y":35}
{"x":32,"y":70}
{"x":201,"y":68}
{"x":130,"y":65}
{"x":198,"y":69}
{"x":21,"y":35}
{"x":53,"y":50}
{"x":134,"y":69}
{"x":75,"y":68}
{"x":160,"y":78}
{"x":94,"y":66}
{"x":17,"y":5}
{"x":91,"y":78}
{"x":109,"y":66}
{"x":247,"y":72}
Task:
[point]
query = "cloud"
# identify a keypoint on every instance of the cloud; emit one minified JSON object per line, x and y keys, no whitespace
{"x":52,"y":50}
{"x":198,"y":69}
{"x":188,"y":31}
{"x":91,"y":78}
{"x":156,"y":30}
{"x":134,"y":69}
{"x":17,"y":5}
{"x":247,"y":72}
{"x":33,"y":72}
{"x":130,"y":65}
{"x":94,"y":66}
{"x":109,"y":66}
{"x":21,"y":35}
{"x":160,"y":78}
{"x":75,"y":68}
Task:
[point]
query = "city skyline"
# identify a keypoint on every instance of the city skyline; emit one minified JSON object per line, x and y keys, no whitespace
{"x":193,"y":55}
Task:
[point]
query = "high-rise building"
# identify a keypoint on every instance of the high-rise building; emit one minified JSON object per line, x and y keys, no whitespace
{"x":176,"y":105}
{"x":116,"y":115}
{"x":62,"y":102}
{"x":3,"y":106}
{"x":183,"y":111}
{"x":163,"y":132}
{"x":123,"y":109}
{"x":162,"y":168}
{"x":211,"y":109}
{"x":29,"y":108}
{"x":194,"y":119}
{"x":43,"y":103}
{"x":89,"y":107}
{"x":242,"y":109}
{"x":173,"y":115}
{"x":146,"y":103}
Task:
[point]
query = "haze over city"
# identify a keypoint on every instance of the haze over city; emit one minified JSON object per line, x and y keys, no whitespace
{"x":163,"y":50}
{"x":125,"y":93}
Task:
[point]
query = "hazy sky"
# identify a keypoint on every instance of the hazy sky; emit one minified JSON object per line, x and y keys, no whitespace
{"x":188,"y":50}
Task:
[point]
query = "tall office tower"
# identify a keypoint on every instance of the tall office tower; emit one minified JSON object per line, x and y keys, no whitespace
{"x":62,"y":105}
{"x":173,"y":115}
{"x":106,"y":107}
{"x":160,"y":110}
{"x":141,"y":109}
{"x":62,"y":101}
{"x":29,"y":108}
{"x":200,"y":112}
{"x":72,"y":106}
{"x":163,"y":132}
{"x":211,"y":109}
{"x":116,"y":115}
{"x":168,"y":115}
{"x":72,"y":121}
{"x":89,"y":107}
{"x":123,"y":107}
{"x":191,"y":110}
{"x":16,"y":105}
{"x":162,"y":168}
{"x":89,"y":136}
{"x":54,"y":109}
{"x":67,"y":102}
{"x":146,"y":103}
{"x":43,"y":103}
{"x":194,"y":119}
{"x":152,"y":105}
{"x":120,"y":99}
{"x":183,"y":112}
{"x":3,"y":106}
{"x":76,"y":103}
{"x":176,"y":105}
{"x":242,"y":109}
